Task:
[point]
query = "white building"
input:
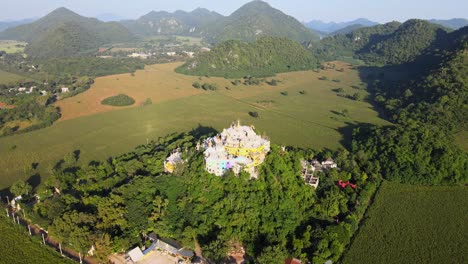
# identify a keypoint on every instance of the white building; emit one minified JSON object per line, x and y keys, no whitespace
{"x":64,"y":90}
{"x":236,"y":148}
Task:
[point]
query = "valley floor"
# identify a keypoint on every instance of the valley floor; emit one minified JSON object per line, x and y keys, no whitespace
{"x":309,"y":115}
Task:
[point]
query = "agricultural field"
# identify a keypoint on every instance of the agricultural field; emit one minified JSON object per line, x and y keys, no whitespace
{"x":7,"y":78}
{"x":12,"y":46}
{"x":17,"y":246}
{"x":310,"y":115}
{"x":413,"y":224}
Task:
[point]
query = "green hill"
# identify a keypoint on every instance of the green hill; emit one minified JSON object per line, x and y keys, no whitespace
{"x":255,"y":20}
{"x":391,"y":43}
{"x":177,"y":23}
{"x":264,"y":57}
{"x":53,"y":34}
{"x":454,"y":23}
{"x":404,"y":45}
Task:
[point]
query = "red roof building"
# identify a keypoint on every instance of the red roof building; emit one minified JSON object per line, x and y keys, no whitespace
{"x":292,"y":261}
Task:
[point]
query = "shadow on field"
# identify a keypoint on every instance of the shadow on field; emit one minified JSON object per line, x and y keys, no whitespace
{"x":201,"y":130}
{"x":347,"y":132}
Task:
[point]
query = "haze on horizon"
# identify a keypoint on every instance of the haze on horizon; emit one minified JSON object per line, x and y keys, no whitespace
{"x":303,"y":10}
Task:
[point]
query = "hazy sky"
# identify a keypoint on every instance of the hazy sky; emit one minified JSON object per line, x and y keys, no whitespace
{"x":304,"y":10}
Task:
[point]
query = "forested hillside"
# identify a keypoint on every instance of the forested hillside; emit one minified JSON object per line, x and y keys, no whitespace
{"x":389,"y":44}
{"x":265,"y":57}
{"x":63,"y":32}
{"x":255,"y":20}
{"x":109,"y":204}
{"x":177,"y":23}
{"x":427,"y":110}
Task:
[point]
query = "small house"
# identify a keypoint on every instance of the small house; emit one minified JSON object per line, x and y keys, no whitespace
{"x":22,"y":89}
{"x":136,"y":254}
{"x":329,"y":164}
{"x":43,"y":92}
{"x":64,"y":90}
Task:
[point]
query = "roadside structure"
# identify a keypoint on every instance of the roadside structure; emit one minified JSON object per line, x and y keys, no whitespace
{"x":235,"y":148}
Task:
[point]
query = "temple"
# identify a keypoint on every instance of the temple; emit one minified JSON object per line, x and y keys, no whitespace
{"x":236,"y":148}
{"x":171,"y":161}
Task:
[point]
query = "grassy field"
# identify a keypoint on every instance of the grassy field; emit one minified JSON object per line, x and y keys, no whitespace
{"x":7,"y":78}
{"x":17,"y":246}
{"x":12,"y":46}
{"x":309,"y":119}
{"x":414,"y":224}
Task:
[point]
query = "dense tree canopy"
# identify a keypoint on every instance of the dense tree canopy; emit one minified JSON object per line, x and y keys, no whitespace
{"x":265,"y":57}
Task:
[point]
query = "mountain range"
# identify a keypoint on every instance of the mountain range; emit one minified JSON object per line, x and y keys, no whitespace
{"x":9,"y":24}
{"x":65,"y":33}
{"x":454,"y":23}
{"x":250,"y":22}
{"x":388,"y":44}
{"x":177,"y":23}
{"x":334,"y":26}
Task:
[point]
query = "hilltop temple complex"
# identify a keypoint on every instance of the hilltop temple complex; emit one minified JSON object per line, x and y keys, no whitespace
{"x":236,"y":148}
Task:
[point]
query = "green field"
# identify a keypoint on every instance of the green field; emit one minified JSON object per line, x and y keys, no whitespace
{"x":311,"y":119}
{"x":414,"y":224}
{"x":17,"y":247}
{"x":7,"y":78}
{"x":12,"y":46}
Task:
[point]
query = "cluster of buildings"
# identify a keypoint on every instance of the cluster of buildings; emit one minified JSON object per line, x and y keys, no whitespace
{"x":167,"y":245}
{"x":309,"y":168}
{"x":29,"y":90}
{"x":236,"y":148}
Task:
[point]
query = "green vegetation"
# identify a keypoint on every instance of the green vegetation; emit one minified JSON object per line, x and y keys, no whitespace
{"x":112,"y":133}
{"x":17,"y":247}
{"x":391,"y":43}
{"x":265,"y":57}
{"x":413,"y":224}
{"x":428,"y":112}
{"x":118,"y":100}
{"x":63,"y":33}
{"x":12,"y":46}
{"x":161,"y":23}
{"x":255,"y":20}
{"x":109,"y":204}
{"x":7,"y":78}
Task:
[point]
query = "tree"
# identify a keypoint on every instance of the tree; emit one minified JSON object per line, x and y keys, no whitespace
{"x":358,"y":96}
{"x":196,"y":85}
{"x":20,"y":187}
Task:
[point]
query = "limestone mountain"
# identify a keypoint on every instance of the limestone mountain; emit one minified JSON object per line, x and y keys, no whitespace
{"x":255,"y":20}
{"x":391,"y":43}
{"x":454,"y":23}
{"x":177,"y":23}
{"x":347,"y":29}
{"x":264,"y":57}
{"x":9,"y":24}
{"x":329,"y":27}
{"x":85,"y":32}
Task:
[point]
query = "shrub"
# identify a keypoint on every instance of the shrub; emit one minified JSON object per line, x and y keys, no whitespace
{"x":303,"y":92}
{"x":209,"y":86}
{"x":253,"y":114}
{"x":285,"y":93}
{"x":196,"y":85}
{"x":118,"y":100}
